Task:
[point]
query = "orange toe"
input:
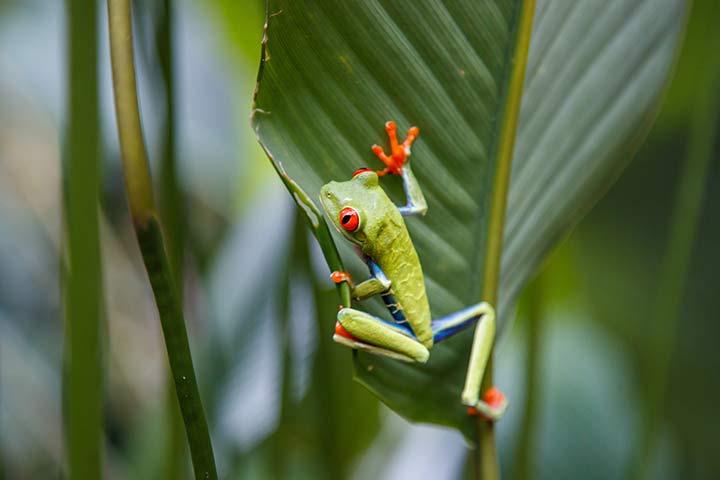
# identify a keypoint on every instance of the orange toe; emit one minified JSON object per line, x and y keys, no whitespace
{"x":494,"y":397}
{"x":398,"y":152}
{"x":339,"y":277}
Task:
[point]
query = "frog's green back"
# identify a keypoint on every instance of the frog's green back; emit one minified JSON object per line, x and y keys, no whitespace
{"x":383,"y":236}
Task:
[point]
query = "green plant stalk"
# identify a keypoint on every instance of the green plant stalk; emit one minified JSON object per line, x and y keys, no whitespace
{"x":132,"y":143}
{"x":150,"y":238}
{"x":525,"y":444}
{"x":172,"y":201}
{"x":666,"y":312}
{"x":83,"y":292}
{"x":486,"y":458}
{"x":172,"y":205}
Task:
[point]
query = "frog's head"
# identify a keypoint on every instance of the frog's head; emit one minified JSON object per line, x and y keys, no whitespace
{"x":357,"y":208}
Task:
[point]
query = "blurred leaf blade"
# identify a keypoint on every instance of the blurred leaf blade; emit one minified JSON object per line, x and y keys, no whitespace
{"x":83,"y":290}
{"x":674,"y":274}
{"x":332,"y":75}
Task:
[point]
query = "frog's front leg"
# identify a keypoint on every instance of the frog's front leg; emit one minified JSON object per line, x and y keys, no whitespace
{"x":377,"y":284}
{"x":416,"y":204}
{"x":363,"y":331}
{"x":398,"y":163}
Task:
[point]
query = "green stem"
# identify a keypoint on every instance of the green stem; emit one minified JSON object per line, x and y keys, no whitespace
{"x":486,"y":458}
{"x":132,"y":143}
{"x":83,"y":294}
{"x":175,"y":453}
{"x":172,"y":200}
{"x":150,"y":239}
{"x":157,"y":265}
{"x":666,"y":312}
{"x":525,"y":446}
{"x":172,"y":205}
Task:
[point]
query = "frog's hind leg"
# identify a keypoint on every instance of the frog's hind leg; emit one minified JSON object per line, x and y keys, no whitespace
{"x":449,"y":325}
{"x":493,"y":404}
{"x":363,"y":331}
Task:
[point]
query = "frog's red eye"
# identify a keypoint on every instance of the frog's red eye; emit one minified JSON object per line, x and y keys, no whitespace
{"x":349,"y":219}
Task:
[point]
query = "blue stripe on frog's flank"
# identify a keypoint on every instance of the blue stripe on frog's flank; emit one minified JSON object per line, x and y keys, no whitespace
{"x":388,"y":297}
{"x":394,"y":307}
{"x":396,"y":311}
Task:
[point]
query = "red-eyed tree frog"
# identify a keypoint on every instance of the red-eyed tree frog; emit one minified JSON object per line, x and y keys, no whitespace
{"x":363,"y":213}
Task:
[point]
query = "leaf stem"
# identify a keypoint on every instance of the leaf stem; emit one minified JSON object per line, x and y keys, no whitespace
{"x":150,"y":238}
{"x":486,"y":453}
{"x":83,"y":294}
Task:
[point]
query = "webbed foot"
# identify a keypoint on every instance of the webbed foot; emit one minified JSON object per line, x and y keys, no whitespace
{"x":339,"y":277}
{"x":491,"y":407}
{"x":399,"y":152}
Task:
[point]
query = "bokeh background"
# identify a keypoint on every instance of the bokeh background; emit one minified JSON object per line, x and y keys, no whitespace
{"x":613,"y":355}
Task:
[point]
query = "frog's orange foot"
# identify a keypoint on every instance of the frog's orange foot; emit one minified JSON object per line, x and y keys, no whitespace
{"x":399,"y":152}
{"x":492,"y":407}
{"x":339,"y":277}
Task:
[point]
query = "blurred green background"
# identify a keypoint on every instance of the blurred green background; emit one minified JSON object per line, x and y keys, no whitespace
{"x":623,"y":305}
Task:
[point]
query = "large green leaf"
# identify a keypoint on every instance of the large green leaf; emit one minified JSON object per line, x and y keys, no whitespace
{"x":594,"y":77}
{"x":333,"y":72}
